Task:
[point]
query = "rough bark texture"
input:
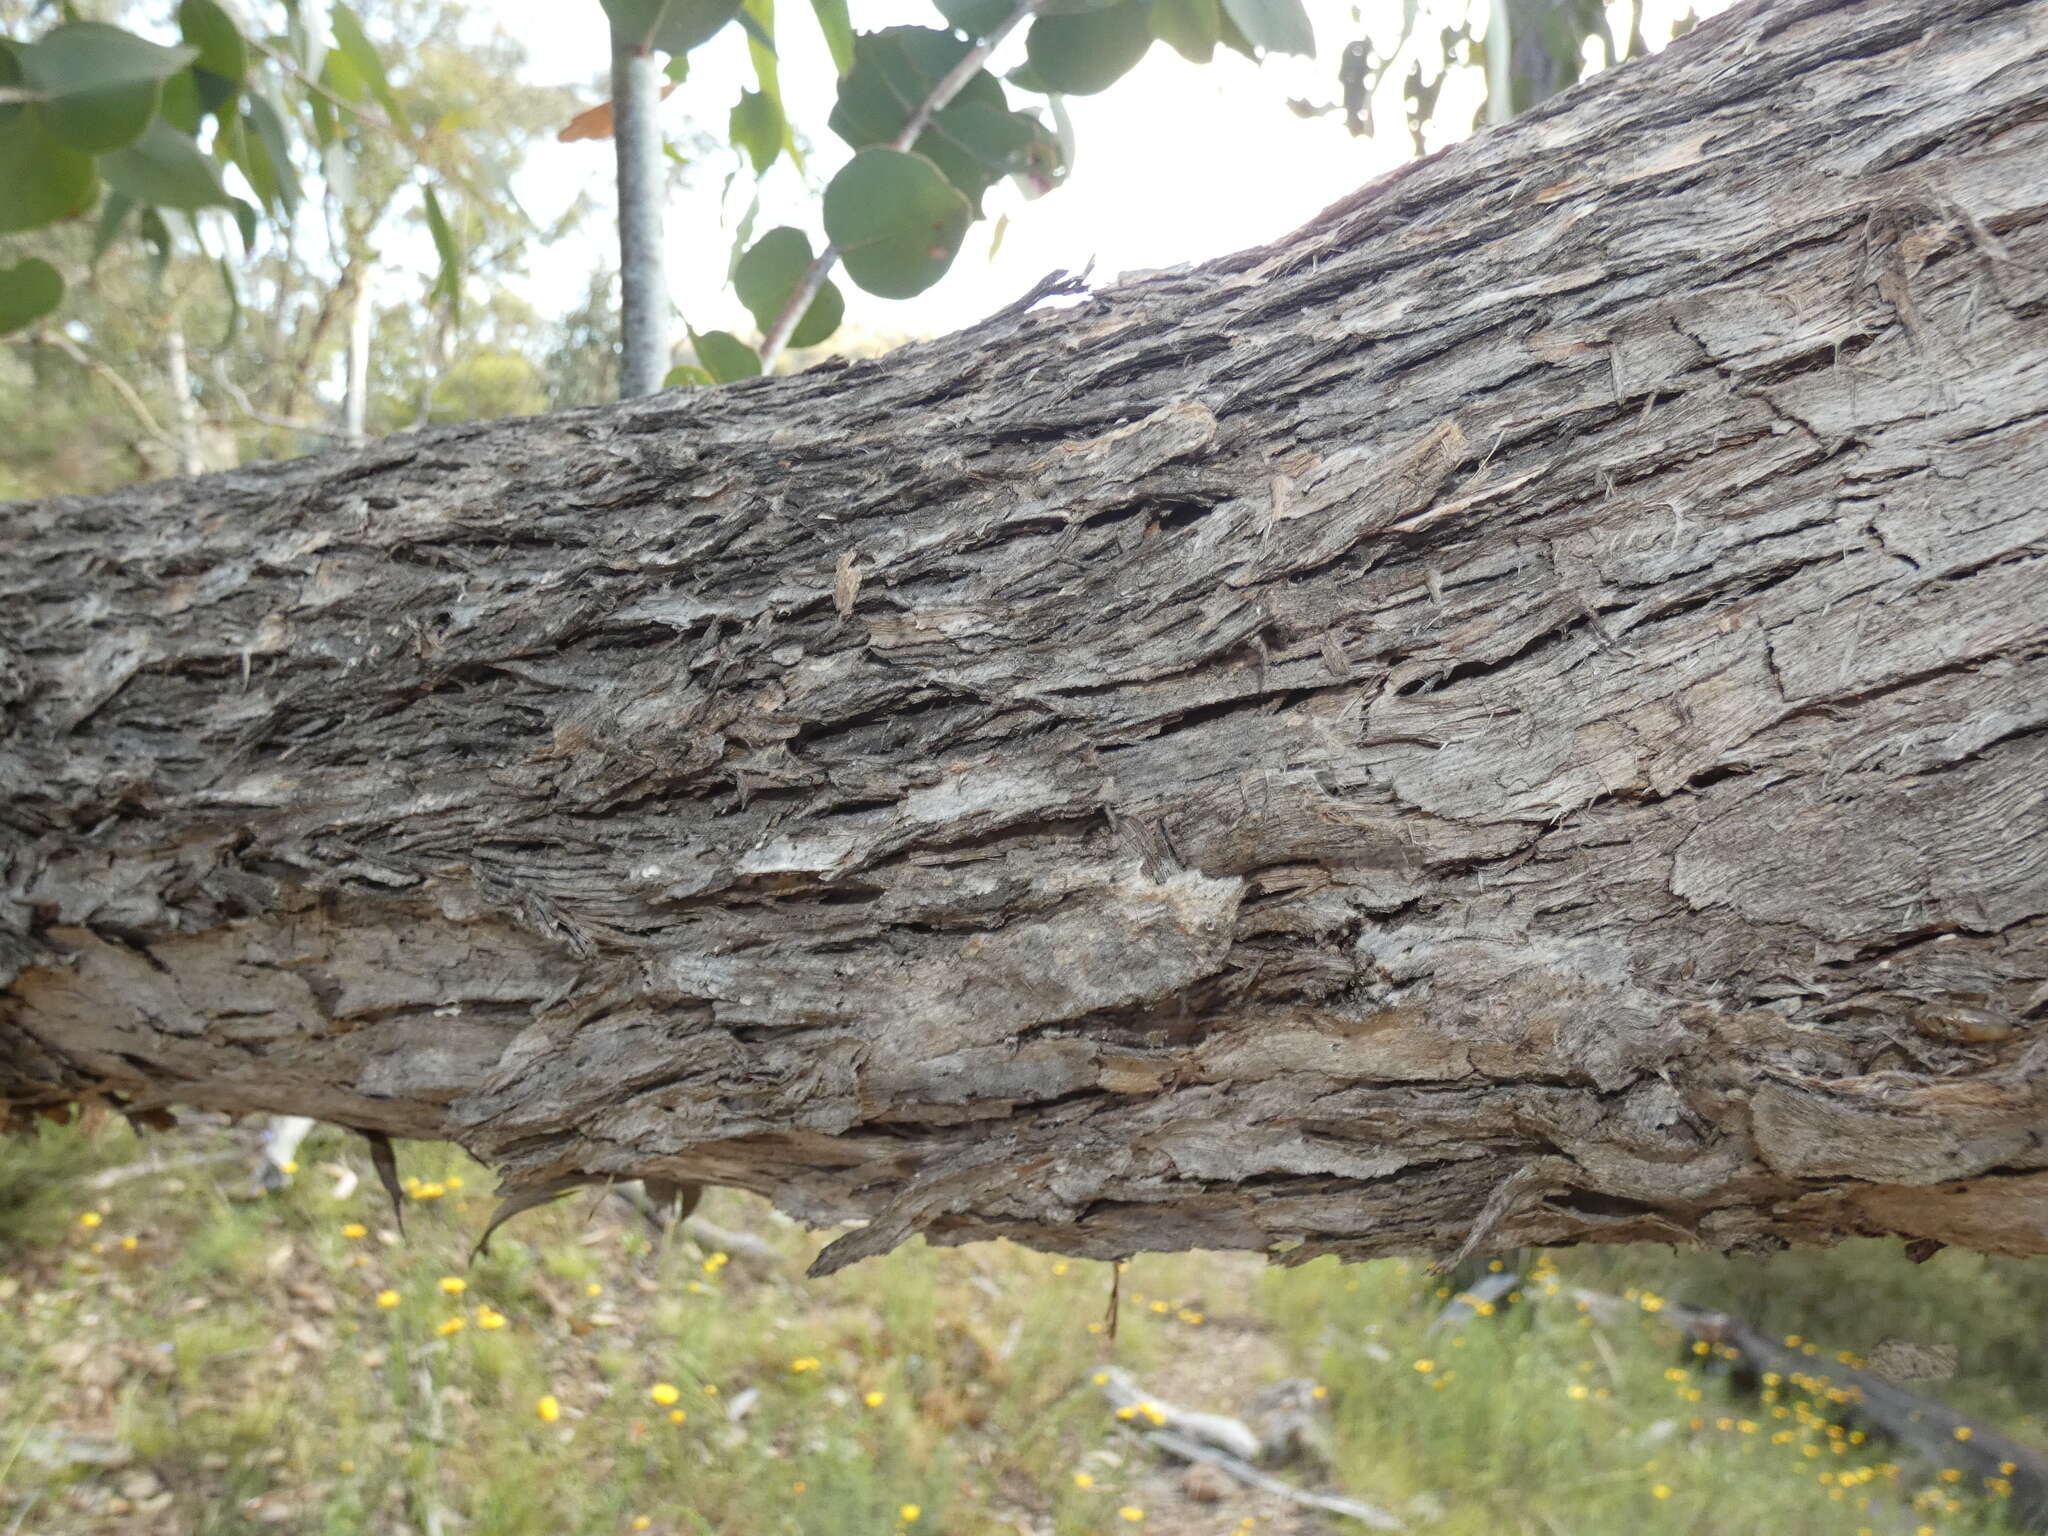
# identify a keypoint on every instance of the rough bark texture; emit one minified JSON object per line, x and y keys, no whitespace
{"x":1513,"y":716}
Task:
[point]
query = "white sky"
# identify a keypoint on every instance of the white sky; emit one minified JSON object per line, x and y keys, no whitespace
{"x":1175,"y":162}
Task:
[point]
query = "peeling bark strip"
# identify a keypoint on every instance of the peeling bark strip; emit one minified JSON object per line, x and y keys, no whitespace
{"x":1512,"y":716}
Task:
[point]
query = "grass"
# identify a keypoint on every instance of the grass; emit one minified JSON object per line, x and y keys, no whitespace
{"x":176,"y":1360}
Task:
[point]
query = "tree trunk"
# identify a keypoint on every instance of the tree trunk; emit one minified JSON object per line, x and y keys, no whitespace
{"x":1511,"y":716}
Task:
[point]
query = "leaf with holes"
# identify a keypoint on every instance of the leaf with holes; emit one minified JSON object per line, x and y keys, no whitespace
{"x":897,"y":221}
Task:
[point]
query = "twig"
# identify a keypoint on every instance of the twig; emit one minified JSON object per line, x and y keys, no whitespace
{"x":91,"y":364}
{"x":1187,"y":1449}
{"x":949,"y":86}
{"x":240,"y":397}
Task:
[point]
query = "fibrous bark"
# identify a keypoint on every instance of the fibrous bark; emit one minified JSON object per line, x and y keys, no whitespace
{"x":1512,"y":716}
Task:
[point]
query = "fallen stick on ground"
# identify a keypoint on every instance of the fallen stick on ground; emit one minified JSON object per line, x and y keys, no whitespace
{"x":1227,"y":1444}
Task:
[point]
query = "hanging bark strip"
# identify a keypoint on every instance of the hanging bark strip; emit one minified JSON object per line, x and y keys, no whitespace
{"x":1511,"y":716}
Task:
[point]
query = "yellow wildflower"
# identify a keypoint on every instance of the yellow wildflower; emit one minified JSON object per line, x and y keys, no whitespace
{"x":549,"y":1408}
{"x":1661,"y":1491}
{"x":1963,"y":1431}
{"x":1083,"y":1480}
{"x":450,"y":1325}
{"x":593,"y":1289}
{"x":1425,"y":1366}
{"x":875,"y":1399}
{"x":487,"y":1320}
{"x":908,"y":1513}
{"x":1132,"y":1513}
{"x":90,"y":1219}
{"x":387,"y":1299}
{"x":677,"y":1416}
{"x":453,"y":1285}
{"x":665,"y":1393}
{"x":355,"y":1229}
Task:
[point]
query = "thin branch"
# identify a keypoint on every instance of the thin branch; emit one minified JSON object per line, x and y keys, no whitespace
{"x":240,"y":397}
{"x":45,"y":336}
{"x":949,"y":86}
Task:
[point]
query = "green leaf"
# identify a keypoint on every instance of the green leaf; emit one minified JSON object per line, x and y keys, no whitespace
{"x":223,"y":60}
{"x":897,"y":221}
{"x":29,"y":290}
{"x":725,"y":356}
{"x":113,"y":213}
{"x":977,"y":18}
{"x":1190,"y":28}
{"x":769,"y":273}
{"x":100,"y":85}
{"x":678,"y":68}
{"x":976,"y":141}
{"x":234,"y":296}
{"x":838,"y":29}
{"x":266,"y":157}
{"x":1082,"y":54}
{"x":41,"y":180}
{"x":448,"y":281}
{"x":165,"y":169}
{"x":668,"y":26}
{"x":684,"y":376}
{"x":1278,"y":26}
{"x":759,"y":19}
{"x":757,"y":128}
{"x":361,"y":53}
{"x":156,"y":234}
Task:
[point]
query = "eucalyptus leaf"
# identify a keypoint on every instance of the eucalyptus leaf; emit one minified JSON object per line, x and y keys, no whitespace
{"x":100,"y":84}
{"x":223,"y":61}
{"x":29,"y":290}
{"x":757,"y":128}
{"x":668,"y":26}
{"x":977,"y":18}
{"x":1191,"y":28}
{"x":41,"y":180}
{"x":1278,"y":26}
{"x":268,"y":156}
{"x":769,"y":273}
{"x":725,"y":356}
{"x":975,"y":141}
{"x":1078,"y":55}
{"x":355,"y":45}
{"x":685,"y":376}
{"x":165,"y":169}
{"x":837,"y":27}
{"x":897,"y":221}
{"x":448,"y":280}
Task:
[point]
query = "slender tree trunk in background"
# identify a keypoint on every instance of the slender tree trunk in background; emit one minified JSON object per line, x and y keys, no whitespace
{"x":184,"y":409}
{"x":643,"y":286}
{"x":1513,"y":715}
{"x":356,"y":403}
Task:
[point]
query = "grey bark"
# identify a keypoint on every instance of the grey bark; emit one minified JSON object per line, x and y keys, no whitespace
{"x":643,"y":282}
{"x":1511,"y":716}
